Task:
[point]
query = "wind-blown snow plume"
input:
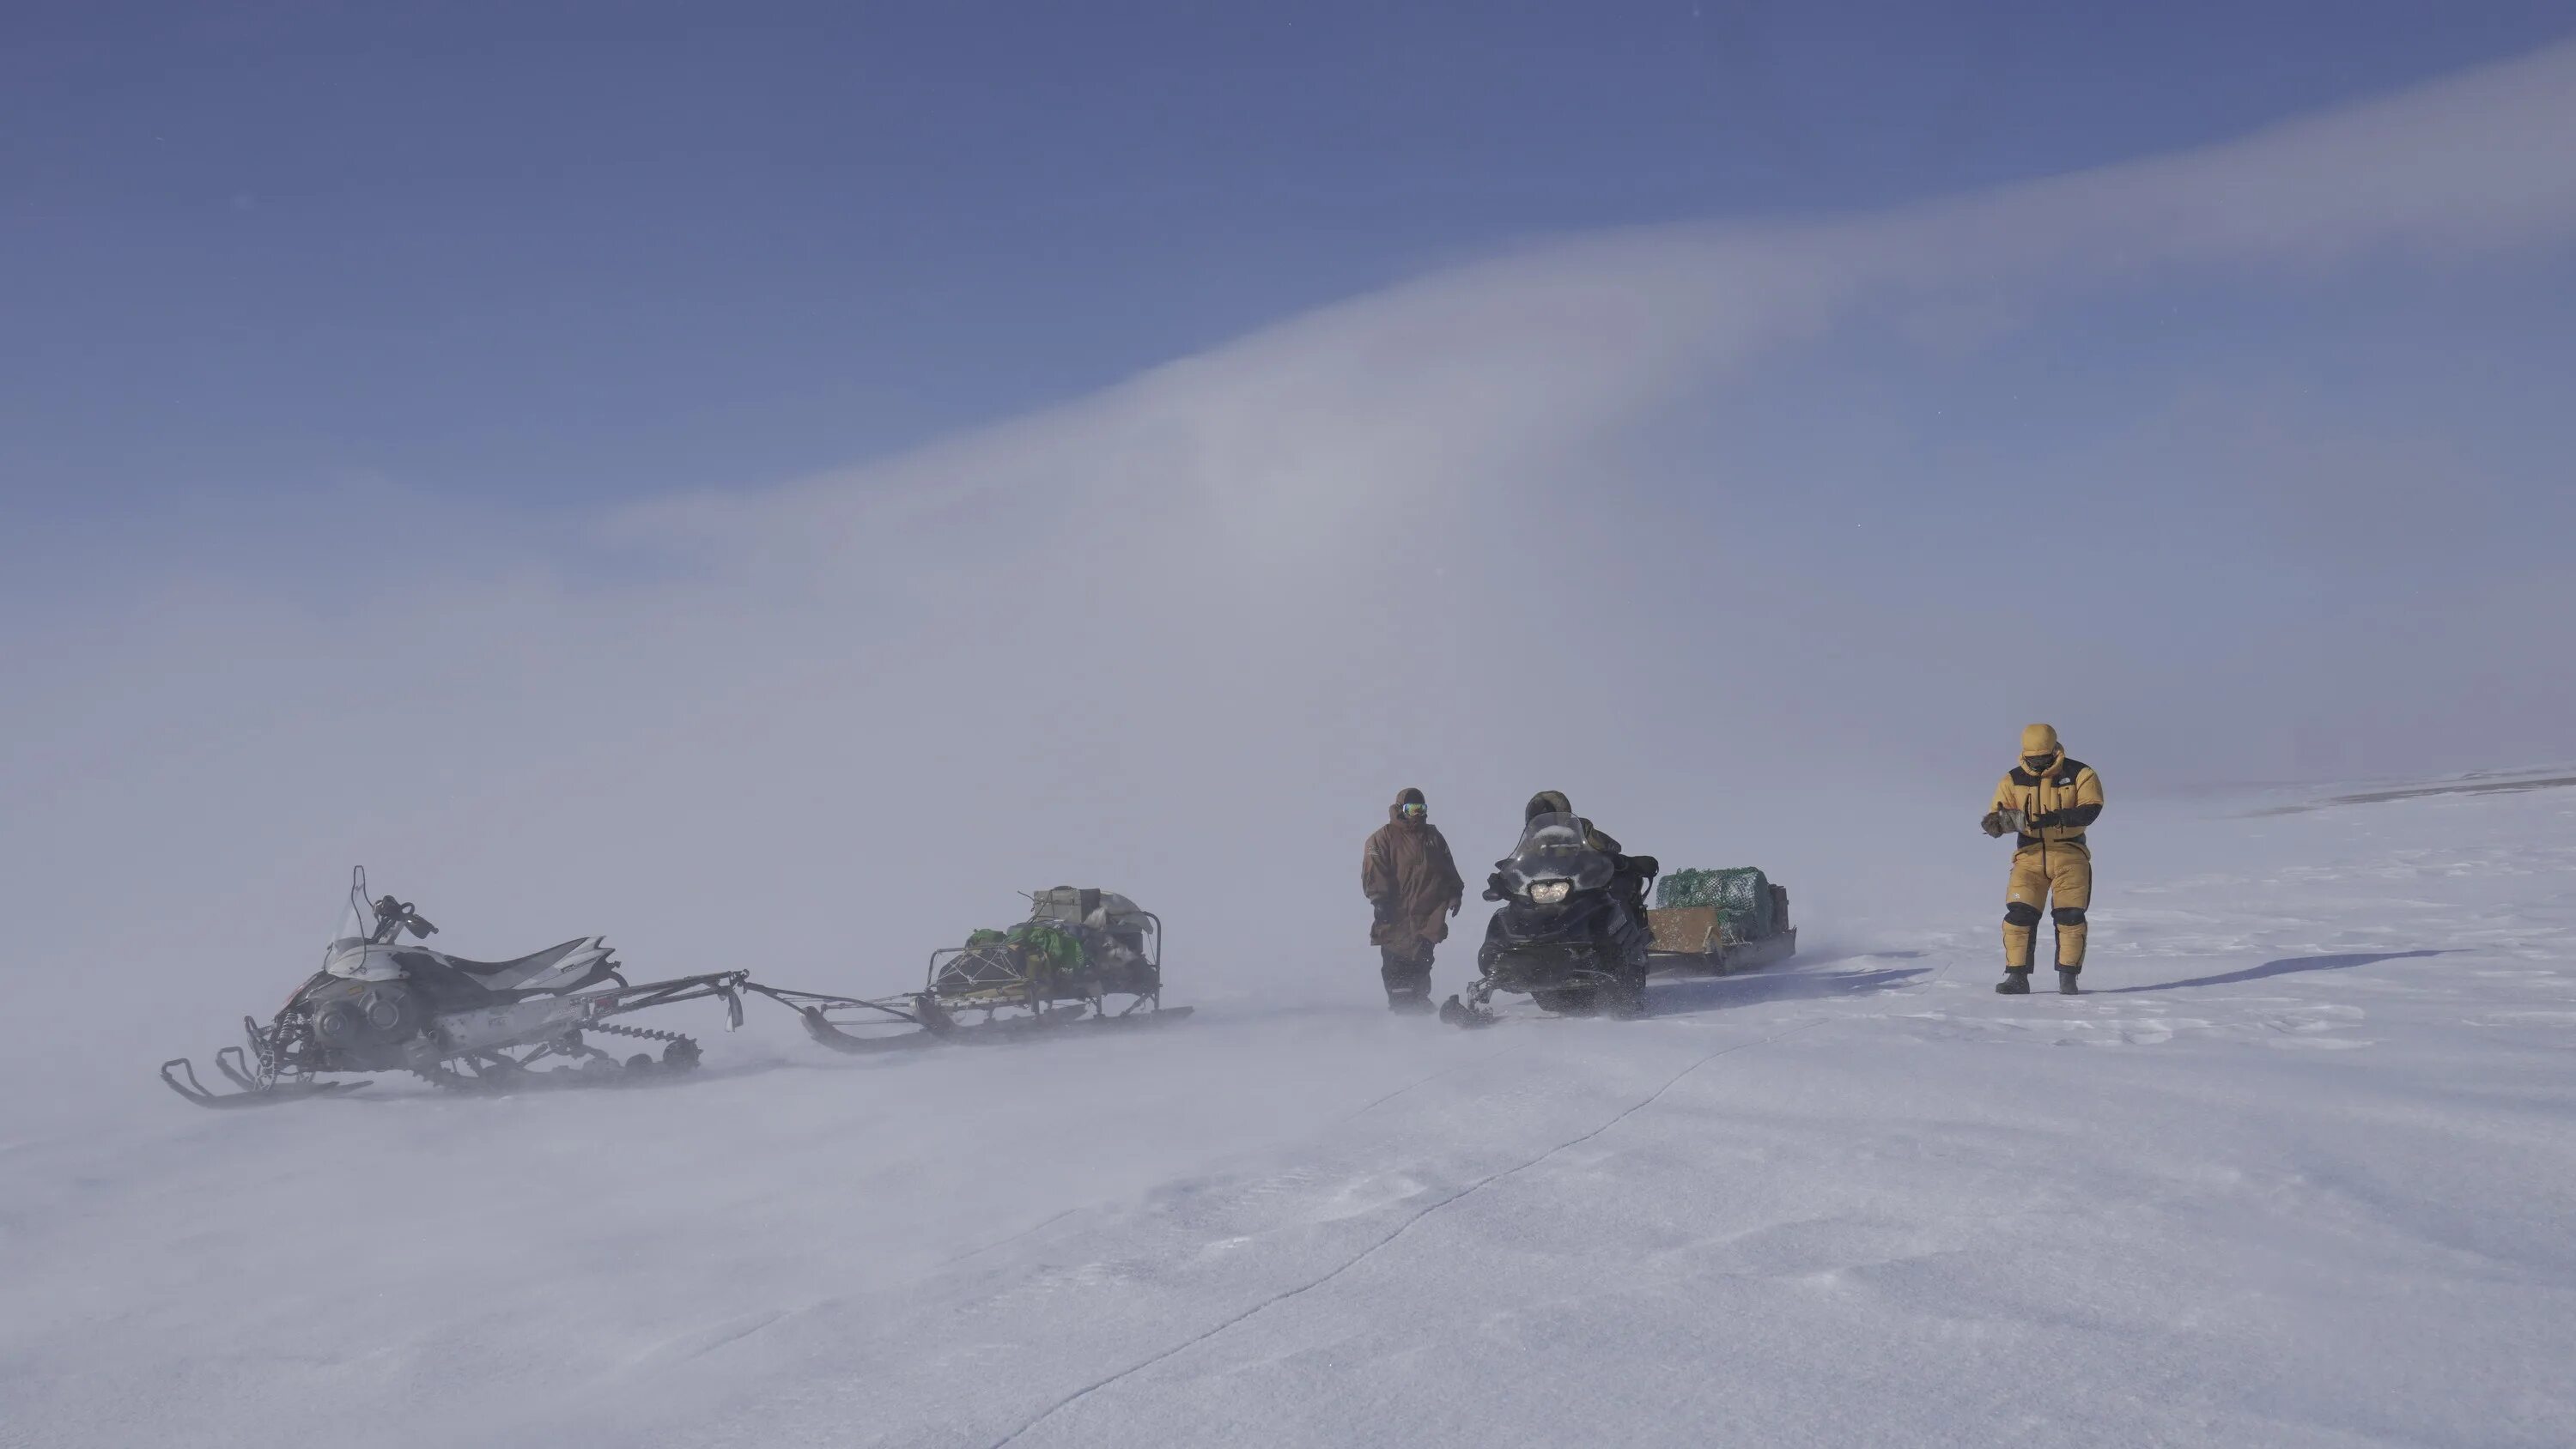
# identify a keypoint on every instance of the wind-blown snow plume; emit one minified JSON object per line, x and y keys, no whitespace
{"x":1184,"y":637}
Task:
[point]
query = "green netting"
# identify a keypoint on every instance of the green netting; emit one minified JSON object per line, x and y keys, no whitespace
{"x":1036,"y":942}
{"x":1050,"y":941}
{"x":1742,"y":895}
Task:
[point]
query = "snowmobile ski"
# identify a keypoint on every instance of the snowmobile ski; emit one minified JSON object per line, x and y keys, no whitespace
{"x":1459,"y":1013}
{"x":181,"y":1077}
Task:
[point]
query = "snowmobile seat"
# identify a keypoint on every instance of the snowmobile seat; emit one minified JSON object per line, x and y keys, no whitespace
{"x":573,"y":964}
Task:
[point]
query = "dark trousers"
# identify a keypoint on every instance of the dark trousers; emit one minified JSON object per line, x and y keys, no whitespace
{"x":1406,"y":969}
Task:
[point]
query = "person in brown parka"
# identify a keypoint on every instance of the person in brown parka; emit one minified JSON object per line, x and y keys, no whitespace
{"x":1413,"y":888}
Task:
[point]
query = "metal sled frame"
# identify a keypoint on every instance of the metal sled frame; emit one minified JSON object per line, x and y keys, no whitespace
{"x":994,"y":983}
{"x":915,"y":1020}
{"x":280,"y":1062}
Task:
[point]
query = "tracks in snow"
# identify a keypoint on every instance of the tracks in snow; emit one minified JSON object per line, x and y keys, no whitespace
{"x":1399,"y":1230}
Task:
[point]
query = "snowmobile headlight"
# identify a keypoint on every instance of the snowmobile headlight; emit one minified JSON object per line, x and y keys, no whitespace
{"x":1549,"y":892}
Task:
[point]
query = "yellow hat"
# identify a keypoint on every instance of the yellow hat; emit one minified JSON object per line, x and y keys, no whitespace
{"x":2039,"y":739}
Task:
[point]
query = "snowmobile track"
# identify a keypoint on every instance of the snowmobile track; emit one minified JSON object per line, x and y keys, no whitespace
{"x":1398,"y":1231}
{"x":1373,"y":1104}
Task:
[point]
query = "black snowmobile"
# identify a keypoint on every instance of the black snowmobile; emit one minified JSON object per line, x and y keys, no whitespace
{"x":1568,"y":935}
{"x":379,"y":1005}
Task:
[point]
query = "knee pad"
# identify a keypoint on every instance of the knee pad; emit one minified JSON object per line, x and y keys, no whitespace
{"x":2021,"y":913}
{"x":2068,"y":915}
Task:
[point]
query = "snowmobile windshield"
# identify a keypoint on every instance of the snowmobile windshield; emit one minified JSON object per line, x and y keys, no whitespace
{"x":357,"y":915}
{"x":1555,"y":847}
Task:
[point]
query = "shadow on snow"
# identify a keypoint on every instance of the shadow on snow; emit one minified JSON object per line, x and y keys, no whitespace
{"x":2286,"y":966}
{"x":1670,"y":996}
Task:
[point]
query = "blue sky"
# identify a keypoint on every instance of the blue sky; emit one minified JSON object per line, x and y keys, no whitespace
{"x":559,"y":255}
{"x":560,"y":456}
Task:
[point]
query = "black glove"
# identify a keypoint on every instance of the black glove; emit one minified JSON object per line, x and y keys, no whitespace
{"x":1383,"y":912}
{"x":2048,"y":819}
{"x":1993,"y":824}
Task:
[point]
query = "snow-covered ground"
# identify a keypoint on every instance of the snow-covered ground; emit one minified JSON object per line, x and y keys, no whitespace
{"x":2299,"y":1170}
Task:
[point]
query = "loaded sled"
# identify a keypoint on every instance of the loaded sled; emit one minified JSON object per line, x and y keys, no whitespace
{"x":1085,"y":958}
{"x":1719,"y":922}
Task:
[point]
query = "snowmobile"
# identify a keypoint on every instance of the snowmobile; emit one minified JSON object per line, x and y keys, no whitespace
{"x":1083,"y":956}
{"x":381,"y":1005}
{"x":1566,"y":934}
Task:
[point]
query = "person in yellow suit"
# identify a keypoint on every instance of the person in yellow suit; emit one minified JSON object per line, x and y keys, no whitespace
{"x":2048,"y":801}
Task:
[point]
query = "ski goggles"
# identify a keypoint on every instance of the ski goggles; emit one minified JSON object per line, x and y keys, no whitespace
{"x":1414,"y":810}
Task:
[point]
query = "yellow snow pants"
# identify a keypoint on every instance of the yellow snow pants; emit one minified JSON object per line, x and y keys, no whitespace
{"x":2062,"y":871}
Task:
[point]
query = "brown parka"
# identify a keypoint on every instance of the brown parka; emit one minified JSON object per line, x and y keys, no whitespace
{"x":1412,"y":884}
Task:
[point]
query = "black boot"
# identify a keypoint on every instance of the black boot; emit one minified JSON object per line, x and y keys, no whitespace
{"x":1407,"y":975}
{"x":2066,"y":980}
{"x":2016,"y":982}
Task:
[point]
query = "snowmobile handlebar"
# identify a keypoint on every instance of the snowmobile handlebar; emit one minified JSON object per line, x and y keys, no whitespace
{"x":393,"y":917}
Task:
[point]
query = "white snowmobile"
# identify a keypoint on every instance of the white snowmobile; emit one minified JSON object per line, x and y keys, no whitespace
{"x":381,"y":1005}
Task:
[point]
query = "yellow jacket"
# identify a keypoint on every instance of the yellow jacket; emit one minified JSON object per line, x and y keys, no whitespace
{"x":2059,"y":802}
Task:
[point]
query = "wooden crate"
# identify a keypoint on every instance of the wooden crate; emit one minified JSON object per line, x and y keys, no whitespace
{"x":1687,"y":930}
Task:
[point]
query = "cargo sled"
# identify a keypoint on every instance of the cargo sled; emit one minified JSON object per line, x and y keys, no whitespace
{"x":1719,"y":922}
{"x":1085,"y":958}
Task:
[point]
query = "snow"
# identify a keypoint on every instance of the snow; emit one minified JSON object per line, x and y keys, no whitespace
{"x":2300,"y":1169}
